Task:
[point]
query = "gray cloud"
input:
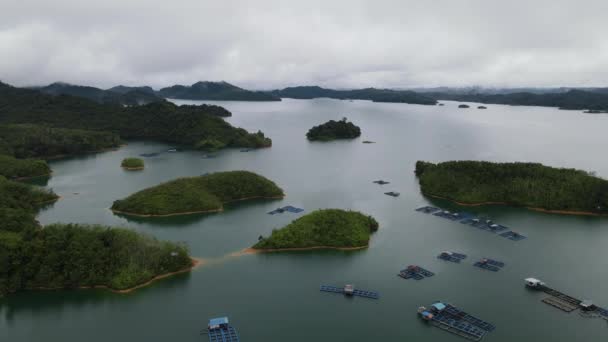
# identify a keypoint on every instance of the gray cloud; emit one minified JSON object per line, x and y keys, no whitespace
{"x":342,"y":43}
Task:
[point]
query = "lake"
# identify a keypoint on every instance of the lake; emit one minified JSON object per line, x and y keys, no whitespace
{"x":276,"y":297}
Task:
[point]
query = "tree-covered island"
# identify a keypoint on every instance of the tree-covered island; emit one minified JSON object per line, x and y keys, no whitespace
{"x":322,"y":229}
{"x":132,"y":164}
{"x":530,"y":185}
{"x":207,"y":193}
{"x":332,"y":130}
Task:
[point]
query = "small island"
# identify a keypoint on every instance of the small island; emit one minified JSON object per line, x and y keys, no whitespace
{"x":332,"y":130}
{"x":532,"y":185}
{"x":321,"y":229}
{"x":464,"y":106}
{"x":132,"y":164}
{"x":202,"y":194}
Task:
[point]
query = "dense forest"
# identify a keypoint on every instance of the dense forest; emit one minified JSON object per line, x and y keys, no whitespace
{"x":70,"y":256}
{"x":196,"y":126}
{"x":332,"y":130}
{"x":131,"y":97}
{"x":323,"y":228}
{"x":205,"y":193}
{"x":215,"y":91}
{"x":572,"y":99}
{"x":521,"y":184}
{"x":12,"y":168}
{"x":372,"y":94}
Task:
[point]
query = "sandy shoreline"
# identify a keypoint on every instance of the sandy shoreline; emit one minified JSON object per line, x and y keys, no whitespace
{"x":193,"y":212}
{"x":258,"y":251}
{"x":196,"y":262}
{"x":542,"y":210}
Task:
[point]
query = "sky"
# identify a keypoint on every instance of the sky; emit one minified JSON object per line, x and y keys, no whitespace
{"x":273,"y":44}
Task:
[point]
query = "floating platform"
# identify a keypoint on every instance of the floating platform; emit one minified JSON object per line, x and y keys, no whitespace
{"x":289,"y":209}
{"x":392,"y":193}
{"x":562,"y":296}
{"x":427,"y":209}
{"x":451,"y":256}
{"x":351,"y":292}
{"x":488,"y":225}
{"x":219,"y":330}
{"x":381,"y":182}
{"x":489,"y":264}
{"x":560,"y":304}
{"x":511,"y":235}
{"x":415,"y":272}
{"x":452,"y":319}
{"x":148,"y":155}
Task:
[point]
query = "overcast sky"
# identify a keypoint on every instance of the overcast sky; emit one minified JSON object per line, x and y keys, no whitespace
{"x":343,"y":43}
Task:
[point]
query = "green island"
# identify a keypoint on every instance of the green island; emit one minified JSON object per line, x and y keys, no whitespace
{"x":65,"y":256}
{"x":201,"y":194}
{"x":332,"y":130}
{"x":132,"y":164}
{"x":322,"y":229}
{"x":531,"y":185}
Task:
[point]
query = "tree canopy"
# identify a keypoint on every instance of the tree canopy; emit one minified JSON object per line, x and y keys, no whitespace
{"x":332,"y":130}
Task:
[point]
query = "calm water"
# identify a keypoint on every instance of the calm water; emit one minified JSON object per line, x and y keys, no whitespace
{"x":275,"y":297}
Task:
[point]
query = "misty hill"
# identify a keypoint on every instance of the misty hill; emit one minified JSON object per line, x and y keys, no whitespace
{"x":214,"y":91}
{"x":195,"y":126}
{"x":121,"y":89}
{"x":130,"y":97}
{"x":571,"y":99}
{"x":372,"y":94}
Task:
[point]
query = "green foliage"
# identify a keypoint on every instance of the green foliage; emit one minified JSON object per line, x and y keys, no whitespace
{"x":327,"y":228}
{"x":11,"y":167}
{"x":332,"y":130}
{"x":522,"y":184}
{"x":164,"y":121}
{"x":21,"y":196}
{"x":198,"y":194}
{"x":35,"y":141}
{"x":373,"y":94}
{"x":215,"y":91}
{"x":131,"y":97}
{"x":132,"y":163}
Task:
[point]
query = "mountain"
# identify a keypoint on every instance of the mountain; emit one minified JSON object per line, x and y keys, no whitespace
{"x":129,"y":97}
{"x":121,"y":89}
{"x":372,"y":94}
{"x":215,"y":91}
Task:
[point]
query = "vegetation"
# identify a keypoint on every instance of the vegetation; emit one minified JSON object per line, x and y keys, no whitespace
{"x":129,"y":97}
{"x":572,"y":99}
{"x":69,"y":256}
{"x":521,"y":184}
{"x":163,"y":121}
{"x":132,"y":163}
{"x":333,"y":228}
{"x":35,"y":141}
{"x":11,"y":167}
{"x":215,"y":91}
{"x":373,"y":94}
{"x":332,"y":130}
{"x":205,"y":193}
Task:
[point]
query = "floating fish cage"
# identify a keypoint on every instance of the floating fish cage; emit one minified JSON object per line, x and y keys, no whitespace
{"x":454,"y":320}
{"x":381,"y":182}
{"x":452,"y":256}
{"x":489,"y":264}
{"x":513,"y":236}
{"x":392,"y":193}
{"x":219,"y":330}
{"x":415,"y":272}
{"x":288,"y":209}
{"x":349,"y":290}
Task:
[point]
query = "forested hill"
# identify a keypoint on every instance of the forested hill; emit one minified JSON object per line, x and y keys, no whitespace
{"x":372,"y":94}
{"x":572,"y":99}
{"x":215,"y":91}
{"x":130,"y":97}
{"x":196,"y":126}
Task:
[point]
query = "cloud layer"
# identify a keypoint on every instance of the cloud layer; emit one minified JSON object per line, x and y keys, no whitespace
{"x":342,"y":43}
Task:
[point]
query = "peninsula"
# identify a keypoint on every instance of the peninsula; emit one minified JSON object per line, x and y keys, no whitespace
{"x":332,"y":130}
{"x":322,"y":229}
{"x":532,"y":185}
{"x":202,"y":194}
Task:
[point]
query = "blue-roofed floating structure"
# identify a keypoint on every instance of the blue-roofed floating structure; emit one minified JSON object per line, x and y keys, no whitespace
{"x":451,"y":319}
{"x":219,"y":330}
{"x":288,"y":208}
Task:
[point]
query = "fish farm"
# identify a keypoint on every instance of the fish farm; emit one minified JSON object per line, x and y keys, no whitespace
{"x":381,"y":182}
{"x":219,"y":330}
{"x":456,"y":321}
{"x":415,"y":272}
{"x":392,"y":193}
{"x":452,"y":256}
{"x":471,"y":220}
{"x":288,"y":209}
{"x":489,"y":264}
{"x":349,"y":290}
{"x":566,"y":302}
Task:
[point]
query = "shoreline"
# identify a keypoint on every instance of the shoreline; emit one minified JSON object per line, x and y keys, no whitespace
{"x":542,"y":210}
{"x":193,"y":212}
{"x":31,"y":177}
{"x":133,"y":168}
{"x":196,"y":262}
{"x":252,"y":250}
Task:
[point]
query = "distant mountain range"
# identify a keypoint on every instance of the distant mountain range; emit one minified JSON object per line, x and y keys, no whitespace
{"x":215,"y":91}
{"x":117,"y":95}
{"x":372,"y":94}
